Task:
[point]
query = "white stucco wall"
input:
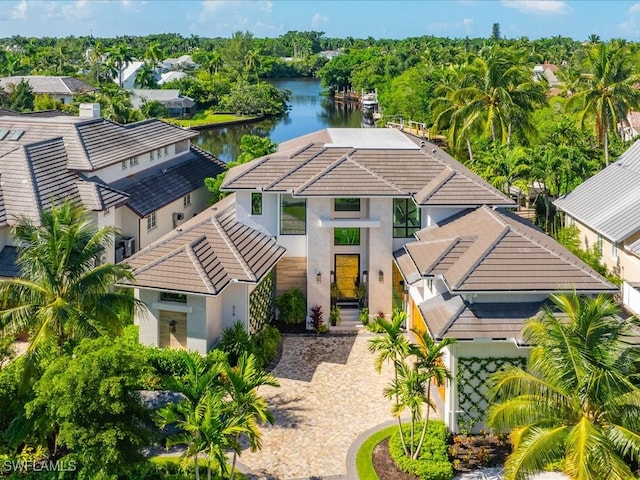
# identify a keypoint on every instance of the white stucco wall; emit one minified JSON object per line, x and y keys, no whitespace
{"x":268,"y":221}
{"x":319,"y":242}
{"x":381,"y":255}
{"x":631,"y":298}
{"x":235,"y":305}
{"x":116,"y":172}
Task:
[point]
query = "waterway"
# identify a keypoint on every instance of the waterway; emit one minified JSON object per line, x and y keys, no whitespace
{"x":309,"y":111}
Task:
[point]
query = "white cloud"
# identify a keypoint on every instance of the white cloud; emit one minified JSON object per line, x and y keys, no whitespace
{"x":468,"y":22}
{"x":538,"y":6}
{"x":19,"y":12}
{"x":318,"y":20}
{"x":635,"y":8}
{"x":631,"y":25}
{"x":465,"y":25}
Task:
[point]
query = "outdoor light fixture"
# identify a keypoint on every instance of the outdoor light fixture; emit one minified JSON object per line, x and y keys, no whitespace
{"x":365,"y":277}
{"x":318,"y":277}
{"x":381,"y":276}
{"x":233,"y":311}
{"x":172,"y":325}
{"x":332,"y":276}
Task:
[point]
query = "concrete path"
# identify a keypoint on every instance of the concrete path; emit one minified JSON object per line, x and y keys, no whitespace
{"x":330,"y":393}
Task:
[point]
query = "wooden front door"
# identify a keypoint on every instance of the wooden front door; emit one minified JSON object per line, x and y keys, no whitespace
{"x":347,"y":276}
{"x":173,"y":329}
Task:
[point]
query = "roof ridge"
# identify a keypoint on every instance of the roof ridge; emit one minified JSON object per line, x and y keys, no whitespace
{"x":259,"y":162}
{"x":322,"y":172}
{"x":374,"y":173}
{"x":301,"y":149}
{"x":158,"y":260}
{"x":223,"y":233}
{"x":437,"y":184}
{"x":296,"y":168}
{"x":452,"y":242}
{"x":205,"y":153}
{"x":456,"y":314}
{"x":32,"y":175}
{"x":198,"y":264}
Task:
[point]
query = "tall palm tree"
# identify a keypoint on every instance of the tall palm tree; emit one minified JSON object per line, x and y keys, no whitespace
{"x":577,"y":402}
{"x":64,"y":291}
{"x":120,"y":55}
{"x":241,"y":383}
{"x":605,"y":93}
{"x":145,"y":77}
{"x":505,"y":167}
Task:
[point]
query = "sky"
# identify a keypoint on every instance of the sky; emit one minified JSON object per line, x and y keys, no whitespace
{"x":355,"y":18}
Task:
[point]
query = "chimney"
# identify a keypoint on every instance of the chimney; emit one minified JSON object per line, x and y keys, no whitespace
{"x":89,"y":110}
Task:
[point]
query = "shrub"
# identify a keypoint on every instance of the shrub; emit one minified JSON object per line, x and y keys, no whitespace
{"x":433,"y":463}
{"x":334,"y":316}
{"x":235,"y":341}
{"x":292,"y":306}
{"x":167,"y":362}
{"x":264,"y":344}
{"x":317,"y":318}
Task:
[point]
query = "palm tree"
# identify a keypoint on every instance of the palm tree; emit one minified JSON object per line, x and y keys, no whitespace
{"x":146,"y":76}
{"x":605,"y":93}
{"x":64,"y":292}
{"x":577,"y":402}
{"x":241,"y":383}
{"x":505,"y":167}
{"x":429,"y":362}
{"x":120,"y":55}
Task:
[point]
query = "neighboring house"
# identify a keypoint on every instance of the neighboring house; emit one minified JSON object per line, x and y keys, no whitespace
{"x":129,"y":74}
{"x":605,"y":210}
{"x":144,"y":178}
{"x":178,"y":105}
{"x":184,"y":62}
{"x":547,"y":72}
{"x":358,"y":217}
{"x":62,"y":89}
{"x":167,"y":77}
{"x":630,"y":127}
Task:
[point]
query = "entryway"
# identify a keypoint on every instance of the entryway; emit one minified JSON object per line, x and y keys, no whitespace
{"x":347,"y":271}
{"x":173,"y":329}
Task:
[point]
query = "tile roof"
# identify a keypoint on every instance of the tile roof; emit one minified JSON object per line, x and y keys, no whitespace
{"x":451,"y":316}
{"x":50,"y":85}
{"x":177,"y":178}
{"x":91,"y":144}
{"x":168,"y":97}
{"x":378,"y":162}
{"x":608,"y":202}
{"x":206,"y":253}
{"x":487,"y":250}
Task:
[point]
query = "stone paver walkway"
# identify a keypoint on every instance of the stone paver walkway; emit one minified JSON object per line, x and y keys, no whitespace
{"x":329,"y":393}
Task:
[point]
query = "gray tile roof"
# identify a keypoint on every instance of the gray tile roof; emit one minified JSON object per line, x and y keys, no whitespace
{"x":451,"y":316}
{"x":206,"y":253}
{"x":349,"y":162}
{"x":156,"y":187}
{"x":487,"y":250}
{"x":50,"y":85}
{"x":171,"y":98}
{"x":608,"y":202}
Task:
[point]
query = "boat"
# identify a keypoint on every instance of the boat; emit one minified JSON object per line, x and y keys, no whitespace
{"x":369,"y":100}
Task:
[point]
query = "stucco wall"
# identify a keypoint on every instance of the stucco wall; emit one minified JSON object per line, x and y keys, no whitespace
{"x":115,"y":172}
{"x":268,"y":221}
{"x":381,"y":255}
{"x":319,"y":242}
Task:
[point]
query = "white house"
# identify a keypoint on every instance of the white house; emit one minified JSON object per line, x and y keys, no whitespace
{"x":62,"y":89}
{"x":363,"y":216}
{"x":144,"y":178}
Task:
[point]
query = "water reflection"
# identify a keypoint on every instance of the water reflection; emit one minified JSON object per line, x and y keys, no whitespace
{"x":309,"y":112}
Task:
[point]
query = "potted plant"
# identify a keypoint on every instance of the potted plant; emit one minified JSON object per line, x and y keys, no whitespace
{"x":334,"y":316}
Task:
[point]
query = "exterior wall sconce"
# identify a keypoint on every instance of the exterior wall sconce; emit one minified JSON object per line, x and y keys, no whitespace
{"x":365,"y":277}
{"x":332,"y":276}
{"x":233,"y":311}
{"x":381,"y":276}
{"x":172,"y":326}
{"x":318,"y":277}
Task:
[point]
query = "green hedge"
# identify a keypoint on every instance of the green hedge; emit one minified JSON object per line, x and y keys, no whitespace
{"x":433,"y":462}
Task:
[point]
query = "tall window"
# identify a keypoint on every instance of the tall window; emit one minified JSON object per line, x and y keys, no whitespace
{"x":256,"y":203}
{"x":186,"y":201}
{"x":293,"y":215}
{"x":346,"y":236}
{"x":124,"y":164}
{"x":151,"y":221}
{"x":152,"y":155}
{"x":346,"y":204}
{"x":406,"y":218}
{"x":133,"y":161}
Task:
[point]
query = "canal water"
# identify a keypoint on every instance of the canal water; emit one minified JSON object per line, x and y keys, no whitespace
{"x":309,"y":111}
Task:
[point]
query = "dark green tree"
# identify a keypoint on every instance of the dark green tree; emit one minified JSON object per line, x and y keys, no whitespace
{"x":22,"y":97}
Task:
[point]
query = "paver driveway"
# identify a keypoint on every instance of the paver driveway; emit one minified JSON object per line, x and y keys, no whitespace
{"x":329,"y":393}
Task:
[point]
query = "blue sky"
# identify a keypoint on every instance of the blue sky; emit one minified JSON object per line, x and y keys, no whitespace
{"x":359,"y":19}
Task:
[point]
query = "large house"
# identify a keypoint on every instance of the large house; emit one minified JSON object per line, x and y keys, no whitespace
{"x":605,"y":210}
{"x":362,"y":216}
{"x":62,"y":89}
{"x":177,"y":105}
{"x":145,"y":178}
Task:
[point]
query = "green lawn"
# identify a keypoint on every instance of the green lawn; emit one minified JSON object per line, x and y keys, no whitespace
{"x":363,"y":458}
{"x":208,"y":118}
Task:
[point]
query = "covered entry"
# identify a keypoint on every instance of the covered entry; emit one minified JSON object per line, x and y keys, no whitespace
{"x":173,"y":329}
{"x":347,"y":276}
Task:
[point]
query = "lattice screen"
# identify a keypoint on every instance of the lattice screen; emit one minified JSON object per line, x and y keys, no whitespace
{"x":261,"y":304}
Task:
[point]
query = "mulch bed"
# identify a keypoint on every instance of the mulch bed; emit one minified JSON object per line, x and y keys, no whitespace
{"x":467,"y":453}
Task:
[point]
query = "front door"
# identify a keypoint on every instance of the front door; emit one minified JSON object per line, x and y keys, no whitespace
{"x":173,"y":329}
{"x":347,"y":276}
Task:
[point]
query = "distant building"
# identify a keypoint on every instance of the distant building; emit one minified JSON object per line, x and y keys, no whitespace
{"x":129,"y":74}
{"x":184,"y":62}
{"x":547,"y":72}
{"x":178,"y":105}
{"x":167,"y":77}
{"x":62,"y":89}
{"x":630,"y":127}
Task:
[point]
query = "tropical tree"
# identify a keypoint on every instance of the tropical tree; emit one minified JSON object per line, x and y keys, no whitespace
{"x":22,"y":97}
{"x":146,"y":76}
{"x":577,"y":402}
{"x":505,"y":167}
{"x":241,"y":384}
{"x":606,"y":92}
{"x":64,"y":292}
{"x":120,"y":55}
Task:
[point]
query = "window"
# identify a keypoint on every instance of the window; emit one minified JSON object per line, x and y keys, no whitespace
{"x":186,"y":201}
{"x":173,"y":297}
{"x":346,"y":236}
{"x":406,"y":218}
{"x":159,"y":153}
{"x":124,"y":164}
{"x":256,"y":203}
{"x":166,"y":151}
{"x":346,"y":204}
{"x":614,"y":250}
{"x":293,"y":215}
{"x":152,"y":155}
{"x":133,"y":161}
{"x":151,"y":221}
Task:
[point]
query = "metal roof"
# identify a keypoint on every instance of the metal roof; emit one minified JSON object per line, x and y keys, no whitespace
{"x":608,"y":202}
